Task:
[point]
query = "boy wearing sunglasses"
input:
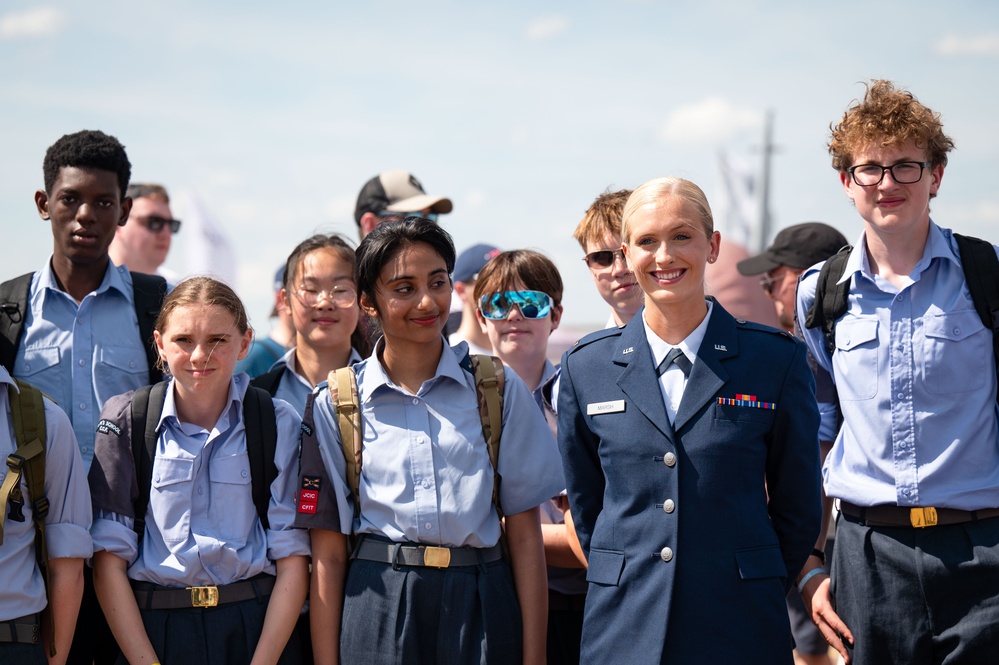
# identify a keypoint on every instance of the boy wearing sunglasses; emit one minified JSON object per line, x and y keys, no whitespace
{"x":519,"y":296}
{"x":143,"y":243}
{"x":599,"y":234}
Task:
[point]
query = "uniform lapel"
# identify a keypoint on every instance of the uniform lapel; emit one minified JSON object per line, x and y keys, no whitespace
{"x":708,"y":375}
{"x":638,"y":379}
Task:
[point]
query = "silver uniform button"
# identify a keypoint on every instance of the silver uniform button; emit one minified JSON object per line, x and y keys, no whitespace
{"x":669,"y":506}
{"x":666,"y":554}
{"x":670,"y":459}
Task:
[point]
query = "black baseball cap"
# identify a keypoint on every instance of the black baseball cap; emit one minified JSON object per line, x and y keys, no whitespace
{"x":397,"y":191}
{"x":800,"y":246}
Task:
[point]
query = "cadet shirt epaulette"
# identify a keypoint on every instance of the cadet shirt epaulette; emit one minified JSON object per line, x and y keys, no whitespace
{"x":593,"y":337}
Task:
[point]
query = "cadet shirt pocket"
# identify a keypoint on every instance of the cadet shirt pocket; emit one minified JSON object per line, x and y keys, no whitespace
{"x":857,"y":344}
{"x":170,"y":497}
{"x":231,"y":505}
{"x":759,"y":562}
{"x":120,"y":366}
{"x":605,"y":566}
{"x":944,"y":364}
{"x":38,"y":363}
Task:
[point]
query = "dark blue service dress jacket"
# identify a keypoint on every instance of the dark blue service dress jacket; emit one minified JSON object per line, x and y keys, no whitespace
{"x":694,"y":532}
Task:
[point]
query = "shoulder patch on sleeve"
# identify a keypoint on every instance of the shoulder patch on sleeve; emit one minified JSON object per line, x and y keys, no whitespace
{"x":108,"y":427}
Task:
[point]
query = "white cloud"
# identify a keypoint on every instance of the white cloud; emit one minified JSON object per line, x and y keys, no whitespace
{"x":546,"y":27}
{"x":712,"y":120}
{"x":956,"y":45}
{"x":41,"y":22}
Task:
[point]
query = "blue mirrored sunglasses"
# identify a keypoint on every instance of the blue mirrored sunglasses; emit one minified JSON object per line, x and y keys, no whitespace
{"x":532,"y":304}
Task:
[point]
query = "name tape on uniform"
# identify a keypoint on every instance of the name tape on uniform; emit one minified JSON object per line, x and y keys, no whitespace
{"x":597,"y":408}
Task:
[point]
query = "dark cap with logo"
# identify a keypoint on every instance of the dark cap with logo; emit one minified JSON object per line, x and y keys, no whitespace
{"x":397,"y":191}
{"x":471,"y":262}
{"x":800,"y":246}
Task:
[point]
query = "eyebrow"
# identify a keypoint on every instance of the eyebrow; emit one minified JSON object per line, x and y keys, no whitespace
{"x":397,"y":278}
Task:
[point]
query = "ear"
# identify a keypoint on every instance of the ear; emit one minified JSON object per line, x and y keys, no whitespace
{"x":368,"y":307}
{"x":158,"y":338}
{"x":936,"y":173}
{"x":461,"y":289}
{"x":482,"y":321}
{"x":281,"y":301}
{"x":126,"y":210}
{"x":42,"y":203}
{"x":715,"y":243}
{"x":369,"y":221}
{"x":847,"y":182}
{"x":556,"y":315}
{"x":244,"y":344}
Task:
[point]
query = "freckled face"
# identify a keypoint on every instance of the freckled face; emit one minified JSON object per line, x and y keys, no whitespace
{"x":668,"y":249}
{"x":201,"y":346}
{"x":413,"y":294}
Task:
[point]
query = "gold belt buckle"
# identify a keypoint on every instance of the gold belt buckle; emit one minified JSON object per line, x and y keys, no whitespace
{"x":921,"y":518}
{"x":436,"y":557}
{"x":204,"y":596}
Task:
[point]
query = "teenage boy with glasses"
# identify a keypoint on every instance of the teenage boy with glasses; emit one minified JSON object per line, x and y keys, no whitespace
{"x":599,"y":234}
{"x":915,"y":464}
{"x":391,"y":196}
{"x":143,"y":243}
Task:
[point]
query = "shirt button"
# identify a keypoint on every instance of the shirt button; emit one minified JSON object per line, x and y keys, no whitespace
{"x":666,"y":554}
{"x":82,"y":362}
{"x":901,"y":396}
{"x":426,"y":484}
{"x":901,"y":297}
{"x":957,"y":331}
{"x":201,"y":490}
{"x":244,"y":473}
{"x":130,"y":364}
{"x":428,"y":526}
{"x":670,"y":459}
{"x":27,"y":368}
{"x":157,"y":479}
{"x":80,"y":320}
{"x":669,"y":506}
{"x":416,"y":401}
{"x":83,"y":405}
{"x":419,"y":439}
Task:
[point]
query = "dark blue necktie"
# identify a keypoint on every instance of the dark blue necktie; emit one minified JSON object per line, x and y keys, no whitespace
{"x":675,"y":356}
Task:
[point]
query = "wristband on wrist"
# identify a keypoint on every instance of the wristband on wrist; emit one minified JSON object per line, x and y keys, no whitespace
{"x":809,"y":575}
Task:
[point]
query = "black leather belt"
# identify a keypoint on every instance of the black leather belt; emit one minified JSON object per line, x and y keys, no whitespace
{"x":918,"y":518}
{"x":155,"y":597}
{"x":372,"y":548}
{"x":23,"y":630}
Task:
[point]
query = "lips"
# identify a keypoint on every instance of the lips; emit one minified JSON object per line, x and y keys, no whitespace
{"x":425,"y":320}
{"x":668,"y":275}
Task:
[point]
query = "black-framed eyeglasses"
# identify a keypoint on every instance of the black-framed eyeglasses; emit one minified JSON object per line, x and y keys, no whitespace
{"x":603,"y":258}
{"x":154,"y":223}
{"x":387,"y":216}
{"x":769,"y":281}
{"x":904,"y":173}
{"x":338,"y":295}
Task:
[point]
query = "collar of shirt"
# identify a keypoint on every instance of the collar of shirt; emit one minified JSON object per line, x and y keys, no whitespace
{"x":938,"y":246}
{"x":237,"y":388}
{"x":115,"y":277}
{"x":371,"y":374}
{"x":5,"y":378}
{"x":288,"y":360}
{"x":546,"y":375}
{"x":689,"y":345}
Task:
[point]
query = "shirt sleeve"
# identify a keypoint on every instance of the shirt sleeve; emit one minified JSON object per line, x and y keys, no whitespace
{"x":819,"y":359}
{"x":67,"y":524}
{"x":113,"y":481}
{"x":530,"y":469}
{"x":284,"y":539}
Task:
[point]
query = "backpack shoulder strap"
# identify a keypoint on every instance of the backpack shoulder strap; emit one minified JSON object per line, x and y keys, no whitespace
{"x":147,"y":405}
{"x":342,"y":385}
{"x":489,"y":383}
{"x":260,"y":422}
{"x":27,"y":410}
{"x":13,"y":312}
{"x":270,"y":380}
{"x":981,"y":272}
{"x":830,"y":297}
{"x":149,"y":292}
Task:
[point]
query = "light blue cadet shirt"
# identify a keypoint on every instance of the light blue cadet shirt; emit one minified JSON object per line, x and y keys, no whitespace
{"x":82,"y":354}
{"x":295,"y":388}
{"x":201,"y":525}
{"x":917,"y":386}
{"x":426,"y":475}
{"x":67,"y":524}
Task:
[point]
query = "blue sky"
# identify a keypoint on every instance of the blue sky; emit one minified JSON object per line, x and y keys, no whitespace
{"x":521,"y":112}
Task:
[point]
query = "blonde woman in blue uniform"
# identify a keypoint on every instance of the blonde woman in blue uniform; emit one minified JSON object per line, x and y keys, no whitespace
{"x":426,"y":480}
{"x":201,"y":526}
{"x":694,"y":482}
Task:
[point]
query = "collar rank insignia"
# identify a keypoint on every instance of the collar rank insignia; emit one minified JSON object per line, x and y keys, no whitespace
{"x":630,"y":349}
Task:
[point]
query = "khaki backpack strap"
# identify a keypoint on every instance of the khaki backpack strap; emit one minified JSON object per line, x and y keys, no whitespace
{"x":343,"y":394}
{"x":28,"y":413}
{"x":489,"y":379}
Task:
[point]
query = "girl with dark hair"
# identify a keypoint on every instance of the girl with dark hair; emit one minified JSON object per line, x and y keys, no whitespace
{"x":320,"y":293}
{"x":207,"y":582}
{"x":428,"y":582}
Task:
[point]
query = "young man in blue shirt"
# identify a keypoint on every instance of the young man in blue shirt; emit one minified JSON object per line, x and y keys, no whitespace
{"x":915,"y":464}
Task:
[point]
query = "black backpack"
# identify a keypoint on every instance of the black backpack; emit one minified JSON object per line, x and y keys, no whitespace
{"x":259,"y":420}
{"x":981,"y":272}
{"x":149,"y":291}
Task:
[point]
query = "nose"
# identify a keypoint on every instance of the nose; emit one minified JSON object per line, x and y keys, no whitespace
{"x":85,"y":213}
{"x":515,"y":314}
{"x":663,"y":254}
{"x":887,"y":180}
